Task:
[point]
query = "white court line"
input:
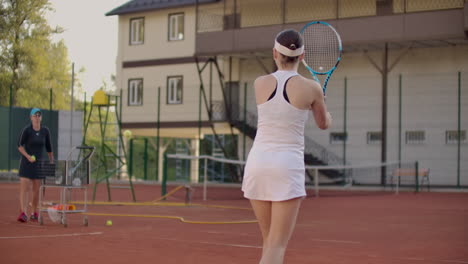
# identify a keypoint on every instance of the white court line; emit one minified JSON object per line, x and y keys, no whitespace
{"x":337,"y":241}
{"x":61,"y":235}
{"x":316,"y":239}
{"x":227,"y":233}
{"x":437,"y":260}
{"x":22,"y":224}
{"x":252,"y":246}
{"x":454,"y":261}
{"x":321,"y":240}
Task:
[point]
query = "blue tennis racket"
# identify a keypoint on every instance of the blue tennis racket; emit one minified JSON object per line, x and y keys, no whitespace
{"x":322,"y":50}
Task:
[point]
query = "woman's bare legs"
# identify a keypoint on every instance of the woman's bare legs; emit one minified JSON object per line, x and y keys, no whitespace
{"x":262,"y":210}
{"x":277,"y":221}
{"x":24,"y":190}
{"x":35,"y":194}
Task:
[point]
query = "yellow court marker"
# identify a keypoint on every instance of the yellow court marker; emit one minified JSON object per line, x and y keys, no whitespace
{"x":163,"y":204}
{"x":177,"y":218}
{"x":157,"y":202}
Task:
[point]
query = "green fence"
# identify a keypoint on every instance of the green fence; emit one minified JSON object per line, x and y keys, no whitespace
{"x":9,"y":155}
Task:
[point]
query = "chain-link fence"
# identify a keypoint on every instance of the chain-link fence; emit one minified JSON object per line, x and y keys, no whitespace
{"x":425,"y":122}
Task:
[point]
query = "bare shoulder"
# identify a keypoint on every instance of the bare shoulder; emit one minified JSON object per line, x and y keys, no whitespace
{"x":264,"y":81}
{"x":264,"y":87}
{"x":309,"y":86}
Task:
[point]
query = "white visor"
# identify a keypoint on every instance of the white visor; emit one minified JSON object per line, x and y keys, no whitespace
{"x":287,"y":52}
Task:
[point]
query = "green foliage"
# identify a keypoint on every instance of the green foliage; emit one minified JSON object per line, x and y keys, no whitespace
{"x":31,"y":64}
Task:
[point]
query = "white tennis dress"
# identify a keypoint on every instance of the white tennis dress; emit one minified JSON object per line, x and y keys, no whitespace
{"x":275,"y":166}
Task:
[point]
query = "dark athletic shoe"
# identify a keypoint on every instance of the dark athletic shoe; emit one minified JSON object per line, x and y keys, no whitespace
{"x":22,"y":218}
{"x":33,"y":217}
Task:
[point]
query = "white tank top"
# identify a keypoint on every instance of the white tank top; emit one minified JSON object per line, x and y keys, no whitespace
{"x":275,"y":168}
{"x":280,"y":124}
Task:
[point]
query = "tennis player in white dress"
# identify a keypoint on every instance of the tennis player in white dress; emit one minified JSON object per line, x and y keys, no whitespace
{"x":274,"y":178}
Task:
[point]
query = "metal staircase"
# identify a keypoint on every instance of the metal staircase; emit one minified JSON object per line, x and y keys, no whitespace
{"x":314,"y":153}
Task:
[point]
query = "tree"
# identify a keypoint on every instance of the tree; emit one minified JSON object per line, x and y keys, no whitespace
{"x":30,"y":62}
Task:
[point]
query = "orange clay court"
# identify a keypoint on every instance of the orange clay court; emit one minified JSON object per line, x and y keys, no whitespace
{"x":339,"y":227}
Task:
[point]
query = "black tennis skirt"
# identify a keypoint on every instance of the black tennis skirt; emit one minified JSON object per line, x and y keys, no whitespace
{"x":35,"y":170}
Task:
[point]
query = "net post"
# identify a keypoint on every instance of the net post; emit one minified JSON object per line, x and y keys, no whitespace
{"x":164,"y":179}
{"x":397,"y":181}
{"x":130,"y":161}
{"x":316,"y":182}
{"x":145,"y":159}
{"x":188,"y":194}
{"x":417,"y":175}
{"x":205,"y":179}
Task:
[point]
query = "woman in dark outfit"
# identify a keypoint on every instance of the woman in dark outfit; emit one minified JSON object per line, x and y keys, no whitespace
{"x":31,"y":143}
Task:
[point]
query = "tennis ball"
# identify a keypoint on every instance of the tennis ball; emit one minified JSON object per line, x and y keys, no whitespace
{"x":108,"y":223}
{"x":128,"y":134}
{"x":33,"y":158}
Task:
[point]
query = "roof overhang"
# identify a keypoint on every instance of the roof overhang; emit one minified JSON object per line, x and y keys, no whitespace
{"x":137,"y":6}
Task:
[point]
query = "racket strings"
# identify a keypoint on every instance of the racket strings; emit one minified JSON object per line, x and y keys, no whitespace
{"x":322,"y":47}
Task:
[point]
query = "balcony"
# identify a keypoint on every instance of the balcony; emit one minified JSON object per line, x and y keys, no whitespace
{"x":249,"y":26}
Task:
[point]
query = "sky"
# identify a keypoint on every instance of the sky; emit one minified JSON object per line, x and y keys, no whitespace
{"x":90,"y":36}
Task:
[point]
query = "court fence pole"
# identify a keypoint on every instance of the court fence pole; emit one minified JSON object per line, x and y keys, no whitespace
{"x":158,"y":139}
{"x":50,"y":108}
{"x":130,"y":162}
{"x":121,"y":146}
{"x":145,"y":159}
{"x":9,"y":127}
{"x":84,"y":120}
{"x":244,"y":124}
{"x":316,"y":182}
{"x":200,"y":112}
{"x":345,"y":120}
{"x":50,"y":99}
{"x":399,"y":122}
{"x":384,"y":112}
{"x":72,"y":106}
{"x":459,"y":130}
{"x":205,"y":179}
{"x":399,"y":119}
{"x":164,"y":179}
{"x":417,"y":175}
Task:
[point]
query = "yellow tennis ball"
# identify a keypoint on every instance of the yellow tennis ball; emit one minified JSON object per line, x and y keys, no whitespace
{"x":127,"y":133}
{"x":109,"y":223}
{"x":33,"y":157}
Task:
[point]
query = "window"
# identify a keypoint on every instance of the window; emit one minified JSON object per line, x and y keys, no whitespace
{"x":176,"y":27}
{"x":451,"y":136}
{"x":415,"y":137}
{"x":374,"y":137}
{"x":338,"y":137}
{"x":174,"y":89}
{"x":137,"y":30}
{"x":135,"y":92}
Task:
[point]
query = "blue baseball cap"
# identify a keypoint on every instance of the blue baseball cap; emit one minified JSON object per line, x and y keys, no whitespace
{"x":34,"y":111}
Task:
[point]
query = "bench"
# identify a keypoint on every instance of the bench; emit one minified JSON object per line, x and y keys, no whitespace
{"x":423,"y":176}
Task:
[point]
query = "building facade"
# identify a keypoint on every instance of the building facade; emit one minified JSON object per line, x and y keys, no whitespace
{"x":398,"y":94}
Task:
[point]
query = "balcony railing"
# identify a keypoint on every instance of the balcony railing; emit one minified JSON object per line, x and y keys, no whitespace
{"x":230,"y":14}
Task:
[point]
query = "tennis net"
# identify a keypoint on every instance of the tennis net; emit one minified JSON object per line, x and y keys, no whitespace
{"x":211,"y":171}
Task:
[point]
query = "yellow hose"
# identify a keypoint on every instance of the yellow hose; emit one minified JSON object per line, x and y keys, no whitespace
{"x":177,"y":218}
